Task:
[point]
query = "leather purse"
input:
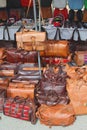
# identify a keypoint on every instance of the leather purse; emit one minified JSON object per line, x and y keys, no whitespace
{"x":31,"y":38}
{"x":77,"y":89}
{"x":8,"y":69}
{"x":58,"y":115}
{"x":46,"y":12}
{"x":30,"y":70}
{"x":15,"y":56}
{"x":21,"y":108}
{"x":23,"y":89}
{"x":56,"y":48}
{"x":51,"y":89}
{"x":4,"y":82}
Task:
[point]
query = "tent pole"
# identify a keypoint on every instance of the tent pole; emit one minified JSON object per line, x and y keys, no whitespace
{"x":35,"y":18}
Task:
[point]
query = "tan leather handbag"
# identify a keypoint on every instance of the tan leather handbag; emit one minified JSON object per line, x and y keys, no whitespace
{"x":30,"y":40}
{"x":56,"y":48}
{"x":58,"y":115}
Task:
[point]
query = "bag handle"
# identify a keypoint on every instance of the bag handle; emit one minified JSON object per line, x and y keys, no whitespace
{"x":57,"y":34}
{"x":6,"y":28}
{"x":77,"y":31}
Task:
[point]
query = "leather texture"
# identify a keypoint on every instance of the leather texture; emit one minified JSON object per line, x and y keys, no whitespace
{"x":21,"y":89}
{"x":56,"y":48}
{"x":58,"y":115}
{"x":2,"y":53}
{"x":15,"y":56}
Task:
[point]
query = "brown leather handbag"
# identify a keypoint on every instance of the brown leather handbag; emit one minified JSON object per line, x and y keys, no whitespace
{"x":58,"y":115}
{"x":46,"y":12}
{"x":77,"y":89}
{"x":15,"y":56}
{"x":8,"y":69}
{"x":23,"y":89}
{"x":56,"y":48}
{"x":84,"y":15}
{"x":30,"y":40}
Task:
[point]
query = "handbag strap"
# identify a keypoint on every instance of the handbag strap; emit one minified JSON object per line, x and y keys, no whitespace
{"x":57,"y":34}
{"x":6,"y":28}
{"x":76,"y":31}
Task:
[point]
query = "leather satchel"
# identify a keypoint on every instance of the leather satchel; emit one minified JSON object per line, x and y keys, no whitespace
{"x":58,"y":115}
{"x":77,"y":89}
{"x":4,"y":81}
{"x":8,"y":69}
{"x":51,"y":89}
{"x":23,"y":89}
{"x":31,"y":39}
{"x":15,"y":56}
{"x":56,"y":48}
{"x":21,"y":108}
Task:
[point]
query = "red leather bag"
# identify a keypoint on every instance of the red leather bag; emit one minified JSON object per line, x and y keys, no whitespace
{"x":25,"y":3}
{"x":19,"y":107}
{"x":63,"y":12}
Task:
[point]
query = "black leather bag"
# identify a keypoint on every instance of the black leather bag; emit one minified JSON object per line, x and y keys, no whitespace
{"x":7,"y":43}
{"x":77,"y":45}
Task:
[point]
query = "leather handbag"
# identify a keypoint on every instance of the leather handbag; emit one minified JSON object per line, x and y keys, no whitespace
{"x":29,"y":69}
{"x":77,"y":45}
{"x":21,"y":108}
{"x":23,"y":89}
{"x":3,"y":95}
{"x":80,"y":58}
{"x":77,"y":91}
{"x":56,"y":48}
{"x":59,"y":3}
{"x":15,"y":56}
{"x":7,"y":43}
{"x":31,"y":38}
{"x":58,"y":115}
{"x":3,"y":3}
{"x":8,"y":69}
{"x":51,"y":89}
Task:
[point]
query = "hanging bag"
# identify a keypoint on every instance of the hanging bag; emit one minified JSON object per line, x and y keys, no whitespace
{"x":59,"y":3}
{"x":2,"y":3}
{"x":76,"y":5}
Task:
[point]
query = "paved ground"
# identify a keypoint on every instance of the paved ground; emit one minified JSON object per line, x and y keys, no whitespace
{"x":8,"y":123}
